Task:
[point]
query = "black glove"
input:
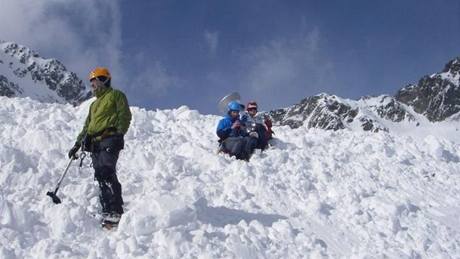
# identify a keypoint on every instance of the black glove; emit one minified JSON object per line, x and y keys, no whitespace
{"x":73,"y":151}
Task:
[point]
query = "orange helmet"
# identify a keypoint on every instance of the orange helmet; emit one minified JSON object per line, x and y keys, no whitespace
{"x":99,"y":71}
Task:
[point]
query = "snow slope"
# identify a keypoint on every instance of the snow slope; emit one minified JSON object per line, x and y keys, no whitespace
{"x":314,"y":194}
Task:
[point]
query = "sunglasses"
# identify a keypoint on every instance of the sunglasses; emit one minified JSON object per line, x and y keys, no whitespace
{"x":252,"y":109}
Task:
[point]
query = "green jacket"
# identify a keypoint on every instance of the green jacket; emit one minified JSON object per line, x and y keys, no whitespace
{"x":110,"y":110}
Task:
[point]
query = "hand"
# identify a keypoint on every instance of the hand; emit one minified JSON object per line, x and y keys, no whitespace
{"x":268,"y":122}
{"x":254,"y":134}
{"x":236,"y":125}
{"x":73,"y":151}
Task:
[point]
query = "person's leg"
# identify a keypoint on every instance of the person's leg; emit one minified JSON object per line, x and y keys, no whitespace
{"x":234,"y":146}
{"x":260,"y":129}
{"x":250,"y":144}
{"x":262,"y":142}
{"x":110,"y":191}
{"x":104,"y":164}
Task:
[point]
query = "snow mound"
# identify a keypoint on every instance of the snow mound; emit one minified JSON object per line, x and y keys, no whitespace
{"x":314,"y":193}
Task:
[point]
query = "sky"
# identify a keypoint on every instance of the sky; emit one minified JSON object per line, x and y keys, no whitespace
{"x":168,"y":53}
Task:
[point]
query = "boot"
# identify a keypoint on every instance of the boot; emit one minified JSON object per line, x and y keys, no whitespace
{"x":110,"y":220}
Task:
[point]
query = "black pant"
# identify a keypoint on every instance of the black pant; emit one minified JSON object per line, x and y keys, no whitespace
{"x":104,"y":158}
{"x":240,"y":147}
{"x":262,"y":141}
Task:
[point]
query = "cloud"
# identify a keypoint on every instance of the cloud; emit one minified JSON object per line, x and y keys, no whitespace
{"x":83,"y":34}
{"x":212,"y":41}
{"x":151,"y":81}
{"x":80,"y":33}
{"x":285,"y":70}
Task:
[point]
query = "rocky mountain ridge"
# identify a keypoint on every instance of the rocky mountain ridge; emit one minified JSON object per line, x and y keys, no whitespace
{"x":23,"y":73}
{"x":434,"y":98}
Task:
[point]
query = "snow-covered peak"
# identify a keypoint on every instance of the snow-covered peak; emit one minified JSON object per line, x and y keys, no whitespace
{"x":23,"y":73}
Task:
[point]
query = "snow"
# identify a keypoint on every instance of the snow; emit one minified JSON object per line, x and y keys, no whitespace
{"x":451,"y":77}
{"x":313,"y":194}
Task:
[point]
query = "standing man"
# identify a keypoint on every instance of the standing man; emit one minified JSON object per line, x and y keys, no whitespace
{"x":102,"y":135}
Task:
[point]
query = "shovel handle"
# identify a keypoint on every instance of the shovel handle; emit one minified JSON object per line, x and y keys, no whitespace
{"x":63,"y":175}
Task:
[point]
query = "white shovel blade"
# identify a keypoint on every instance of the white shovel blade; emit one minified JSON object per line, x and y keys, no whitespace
{"x":235,"y":96}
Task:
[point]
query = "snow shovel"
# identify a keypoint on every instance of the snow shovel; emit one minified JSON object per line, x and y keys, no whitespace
{"x":53,"y":195}
{"x":227,"y":99}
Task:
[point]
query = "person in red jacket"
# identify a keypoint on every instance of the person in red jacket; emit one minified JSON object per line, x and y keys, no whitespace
{"x":253,"y":121}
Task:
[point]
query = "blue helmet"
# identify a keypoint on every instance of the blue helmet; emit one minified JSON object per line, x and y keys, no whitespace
{"x":235,"y":106}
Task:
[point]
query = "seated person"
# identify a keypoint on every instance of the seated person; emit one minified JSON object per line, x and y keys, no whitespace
{"x":232,"y":138}
{"x":253,"y":122}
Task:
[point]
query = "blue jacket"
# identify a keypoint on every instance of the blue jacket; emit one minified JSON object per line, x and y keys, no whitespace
{"x":224,"y":128}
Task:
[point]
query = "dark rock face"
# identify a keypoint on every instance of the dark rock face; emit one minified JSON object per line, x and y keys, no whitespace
{"x":320,"y":111}
{"x":436,"y":96}
{"x":332,"y":113}
{"x":392,"y":110}
{"x":32,"y":68}
{"x":453,"y":67}
{"x":7,"y":88}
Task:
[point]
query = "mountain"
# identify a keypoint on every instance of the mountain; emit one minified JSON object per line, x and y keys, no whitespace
{"x":312,"y":194}
{"x":23,"y":73}
{"x":434,"y":98}
{"x":331,"y":112}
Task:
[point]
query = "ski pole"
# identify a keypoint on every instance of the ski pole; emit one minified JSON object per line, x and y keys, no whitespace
{"x":53,"y":195}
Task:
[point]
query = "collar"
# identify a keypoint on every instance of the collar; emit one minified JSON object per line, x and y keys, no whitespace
{"x":102,"y":92}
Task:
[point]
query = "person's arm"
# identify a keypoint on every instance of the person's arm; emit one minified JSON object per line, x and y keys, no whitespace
{"x":244,"y":120}
{"x":85,"y":127}
{"x":223,"y":129}
{"x":73,"y":151}
{"x":123,"y":114}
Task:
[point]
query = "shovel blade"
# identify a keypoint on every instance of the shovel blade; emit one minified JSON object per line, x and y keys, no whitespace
{"x":226,"y":100}
{"x":53,"y":196}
